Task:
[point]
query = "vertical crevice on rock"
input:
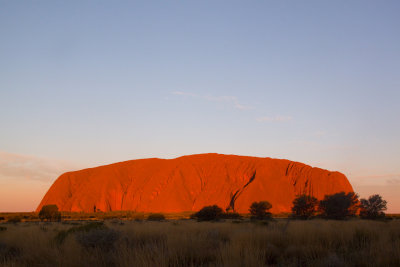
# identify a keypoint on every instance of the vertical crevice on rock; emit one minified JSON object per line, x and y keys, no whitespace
{"x":251,"y":180}
{"x":235,"y":196}
{"x":231,"y":205}
{"x":287,"y":168}
{"x":108,"y":205}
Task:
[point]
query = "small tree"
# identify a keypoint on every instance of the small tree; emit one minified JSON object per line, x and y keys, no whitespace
{"x":50,"y":213}
{"x":208,"y":213}
{"x":373,"y":207}
{"x":304,"y":207}
{"x":339,"y":206}
{"x":260,"y":210}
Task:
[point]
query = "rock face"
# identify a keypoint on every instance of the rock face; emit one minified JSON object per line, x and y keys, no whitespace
{"x":191,"y":182}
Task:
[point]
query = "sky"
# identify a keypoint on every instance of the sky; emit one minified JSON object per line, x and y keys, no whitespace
{"x":87,"y":83}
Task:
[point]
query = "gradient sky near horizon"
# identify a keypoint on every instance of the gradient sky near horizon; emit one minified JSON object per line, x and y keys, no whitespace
{"x":86,"y":83}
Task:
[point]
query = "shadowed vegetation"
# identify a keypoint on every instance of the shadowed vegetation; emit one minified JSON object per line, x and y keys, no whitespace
{"x":304,"y":207}
{"x":50,"y":213}
{"x":282,"y":242}
{"x":260,"y":210}
{"x":156,"y":217}
{"x":208,"y":213}
{"x":15,"y":219}
{"x":124,"y":239}
{"x":373,"y":207}
{"x":339,"y":206}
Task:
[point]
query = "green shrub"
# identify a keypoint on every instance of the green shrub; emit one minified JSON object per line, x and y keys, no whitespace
{"x":260,"y":210}
{"x":156,"y":217}
{"x":208,"y":213}
{"x":50,"y":213}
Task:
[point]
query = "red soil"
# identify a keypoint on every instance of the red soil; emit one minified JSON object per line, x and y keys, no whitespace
{"x":191,"y":182}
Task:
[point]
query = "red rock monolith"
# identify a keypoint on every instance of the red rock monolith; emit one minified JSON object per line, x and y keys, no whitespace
{"x":189,"y":183}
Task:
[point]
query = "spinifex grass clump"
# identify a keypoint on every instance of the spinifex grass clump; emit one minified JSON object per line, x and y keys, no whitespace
{"x":60,"y":237}
{"x":8,"y":252}
{"x":101,"y":238}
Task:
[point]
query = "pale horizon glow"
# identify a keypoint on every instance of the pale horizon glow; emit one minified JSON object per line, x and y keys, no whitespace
{"x":85,"y":84}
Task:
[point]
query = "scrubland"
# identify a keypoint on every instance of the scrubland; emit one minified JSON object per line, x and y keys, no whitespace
{"x":280,"y":242}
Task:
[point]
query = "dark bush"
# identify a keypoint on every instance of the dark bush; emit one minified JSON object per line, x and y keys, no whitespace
{"x":373,"y":207}
{"x":208,"y":213}
{"x":33,"y":217}
{"x":339,"y":206}
{"x":156,"y":217}
{"x":14,"y":219}
{"x":138,"y":217}
{"x":260,"y":210}
{"x":50,"y":213}
{"x":304,"y":207}
{"x":103,"y":239}
{"x":2,"y":228}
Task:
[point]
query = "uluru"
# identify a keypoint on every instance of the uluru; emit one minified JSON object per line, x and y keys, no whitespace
{"x":191,"y":182}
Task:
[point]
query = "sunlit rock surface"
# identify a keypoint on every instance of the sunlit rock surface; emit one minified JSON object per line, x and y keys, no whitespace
{"x":191,"y":182}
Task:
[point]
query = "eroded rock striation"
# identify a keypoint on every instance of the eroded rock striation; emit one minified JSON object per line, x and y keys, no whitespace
{"x":189,"y":183}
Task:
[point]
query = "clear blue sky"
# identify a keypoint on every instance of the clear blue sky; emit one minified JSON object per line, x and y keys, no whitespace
{"x":95,"y":82}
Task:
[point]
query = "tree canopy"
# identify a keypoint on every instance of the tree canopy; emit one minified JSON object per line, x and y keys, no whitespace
{"x":50,"y":213}
{"x":373,"y":207}
{"x":304,"y":207}
{"x":339,"y":206}
{"x":260,"y":210}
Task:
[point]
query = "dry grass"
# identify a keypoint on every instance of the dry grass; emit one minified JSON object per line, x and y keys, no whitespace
{"x":191,"y":243}
{"x":87,"y":216}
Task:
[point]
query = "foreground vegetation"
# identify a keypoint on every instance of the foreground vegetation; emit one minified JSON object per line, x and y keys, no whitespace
{"x":245,"y":242}
{"x":213,"y":237}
